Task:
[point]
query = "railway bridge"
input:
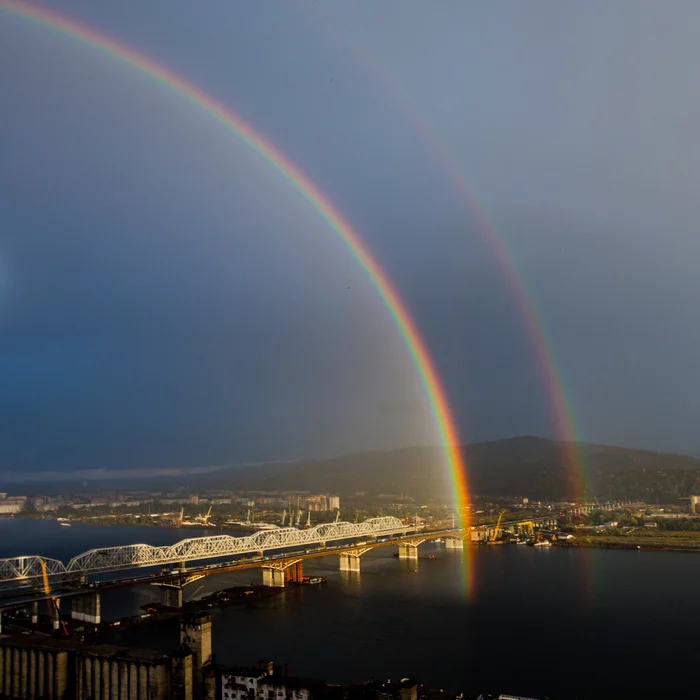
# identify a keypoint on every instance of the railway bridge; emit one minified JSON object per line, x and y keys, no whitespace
{"x":280,"y":553}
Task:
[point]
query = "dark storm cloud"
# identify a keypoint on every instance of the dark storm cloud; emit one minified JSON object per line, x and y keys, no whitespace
{"x":168,"y":301}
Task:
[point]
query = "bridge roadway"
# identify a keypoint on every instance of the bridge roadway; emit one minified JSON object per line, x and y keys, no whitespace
{"x":280,"y":560}
{"x":67,"y":583}
{"x":29,"y":571}
{"x":180,"y":577}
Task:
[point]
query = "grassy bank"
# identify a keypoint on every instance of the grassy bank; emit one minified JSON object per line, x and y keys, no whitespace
{"x":654,"y":539}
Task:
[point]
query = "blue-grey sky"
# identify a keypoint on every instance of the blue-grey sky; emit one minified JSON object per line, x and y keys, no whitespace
{"x":168,"y":300}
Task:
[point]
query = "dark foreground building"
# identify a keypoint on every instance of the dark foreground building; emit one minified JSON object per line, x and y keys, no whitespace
{"x":33,"y":667}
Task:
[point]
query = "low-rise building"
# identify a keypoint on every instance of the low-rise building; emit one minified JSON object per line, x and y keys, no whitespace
{"x":8,"y":507}
{"x":284,"y":688}
{"x":241,"y":682}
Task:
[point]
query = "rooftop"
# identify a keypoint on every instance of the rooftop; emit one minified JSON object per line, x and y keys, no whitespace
{"x":37,"y":641}
{"x":114,"y":652}
{"x":244,"y":671}
{"x":291,"y":683}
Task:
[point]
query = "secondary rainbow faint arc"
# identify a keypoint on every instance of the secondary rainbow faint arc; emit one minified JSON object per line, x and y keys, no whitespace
{"x":561,"y":407}
{"x":301,"y":182}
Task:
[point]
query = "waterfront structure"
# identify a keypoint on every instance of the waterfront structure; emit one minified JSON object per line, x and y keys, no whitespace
{"x":12,"y":504}
{"x":33,"y":667}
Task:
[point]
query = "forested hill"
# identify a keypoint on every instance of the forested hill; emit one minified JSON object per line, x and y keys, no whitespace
{"x":521,"y":466}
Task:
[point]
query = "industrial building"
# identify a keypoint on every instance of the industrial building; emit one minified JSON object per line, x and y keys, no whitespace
{"x":34,"y":667}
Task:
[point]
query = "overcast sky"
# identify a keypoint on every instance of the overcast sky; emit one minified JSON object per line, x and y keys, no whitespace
{"x":167,"y":300}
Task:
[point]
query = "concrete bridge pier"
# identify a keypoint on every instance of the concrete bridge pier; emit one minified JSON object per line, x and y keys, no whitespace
{"x":170,"y":594}
{"x":408,"y":551}
{"x":34,"y":612}
{"x":273,"y":576}
{"x":350,"y":561}
{"x":87,"y":608}
{"x":454,"y":543}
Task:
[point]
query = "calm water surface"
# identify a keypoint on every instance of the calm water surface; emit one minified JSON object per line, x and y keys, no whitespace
{"x":558,"y":623}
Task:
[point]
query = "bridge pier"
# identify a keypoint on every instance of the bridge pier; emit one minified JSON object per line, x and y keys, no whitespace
{"x":34,"y":613}
{"x":273,"y":576}
{"x":294,"y":573}
{"x":350,"y":561}
{"x":454,"y":543}
{"x":408,"y":551}
{"x":87,"y":608}
{"x":170,"y":594}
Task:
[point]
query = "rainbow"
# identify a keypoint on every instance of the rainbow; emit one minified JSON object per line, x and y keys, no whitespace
{"x":561,"y":408}
{"x":412,"y":339}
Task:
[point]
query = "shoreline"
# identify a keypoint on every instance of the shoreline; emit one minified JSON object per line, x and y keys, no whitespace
{"x":634,"y":546}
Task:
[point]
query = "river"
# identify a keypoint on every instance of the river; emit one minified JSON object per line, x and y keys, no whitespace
{"x":558,"y":623}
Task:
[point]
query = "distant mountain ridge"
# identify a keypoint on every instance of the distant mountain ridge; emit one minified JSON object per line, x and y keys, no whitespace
{"x":525,"y":466}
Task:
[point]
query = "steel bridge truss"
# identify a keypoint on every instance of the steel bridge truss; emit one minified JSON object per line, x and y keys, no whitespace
{"x":26,"y":572}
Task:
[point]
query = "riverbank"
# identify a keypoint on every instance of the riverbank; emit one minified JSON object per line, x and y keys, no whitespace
{"x":118,"y":521}
{"x":642,"y":540}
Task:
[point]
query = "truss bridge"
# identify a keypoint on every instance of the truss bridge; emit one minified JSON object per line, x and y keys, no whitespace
{"x":28,"y":571}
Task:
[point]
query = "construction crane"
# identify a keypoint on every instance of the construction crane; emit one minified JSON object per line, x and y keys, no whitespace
{"x":308,"y":519}
{"x":284,"y":517}
{"x":51,"y":603}
{"x":528,"y":526}
{"x":205,"y":519}
{"x":498,"y":527}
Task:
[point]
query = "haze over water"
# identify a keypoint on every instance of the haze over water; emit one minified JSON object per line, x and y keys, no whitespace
{"x":558,"y":623}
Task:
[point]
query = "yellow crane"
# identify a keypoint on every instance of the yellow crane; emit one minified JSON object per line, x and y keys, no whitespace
{"x":205,"y":519}
{"x":527,"y":526}
{"x":52,"y":604}
{"x":498,"y":526}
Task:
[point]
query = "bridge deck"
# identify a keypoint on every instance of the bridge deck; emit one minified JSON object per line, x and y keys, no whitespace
{"x":28,"y":571}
